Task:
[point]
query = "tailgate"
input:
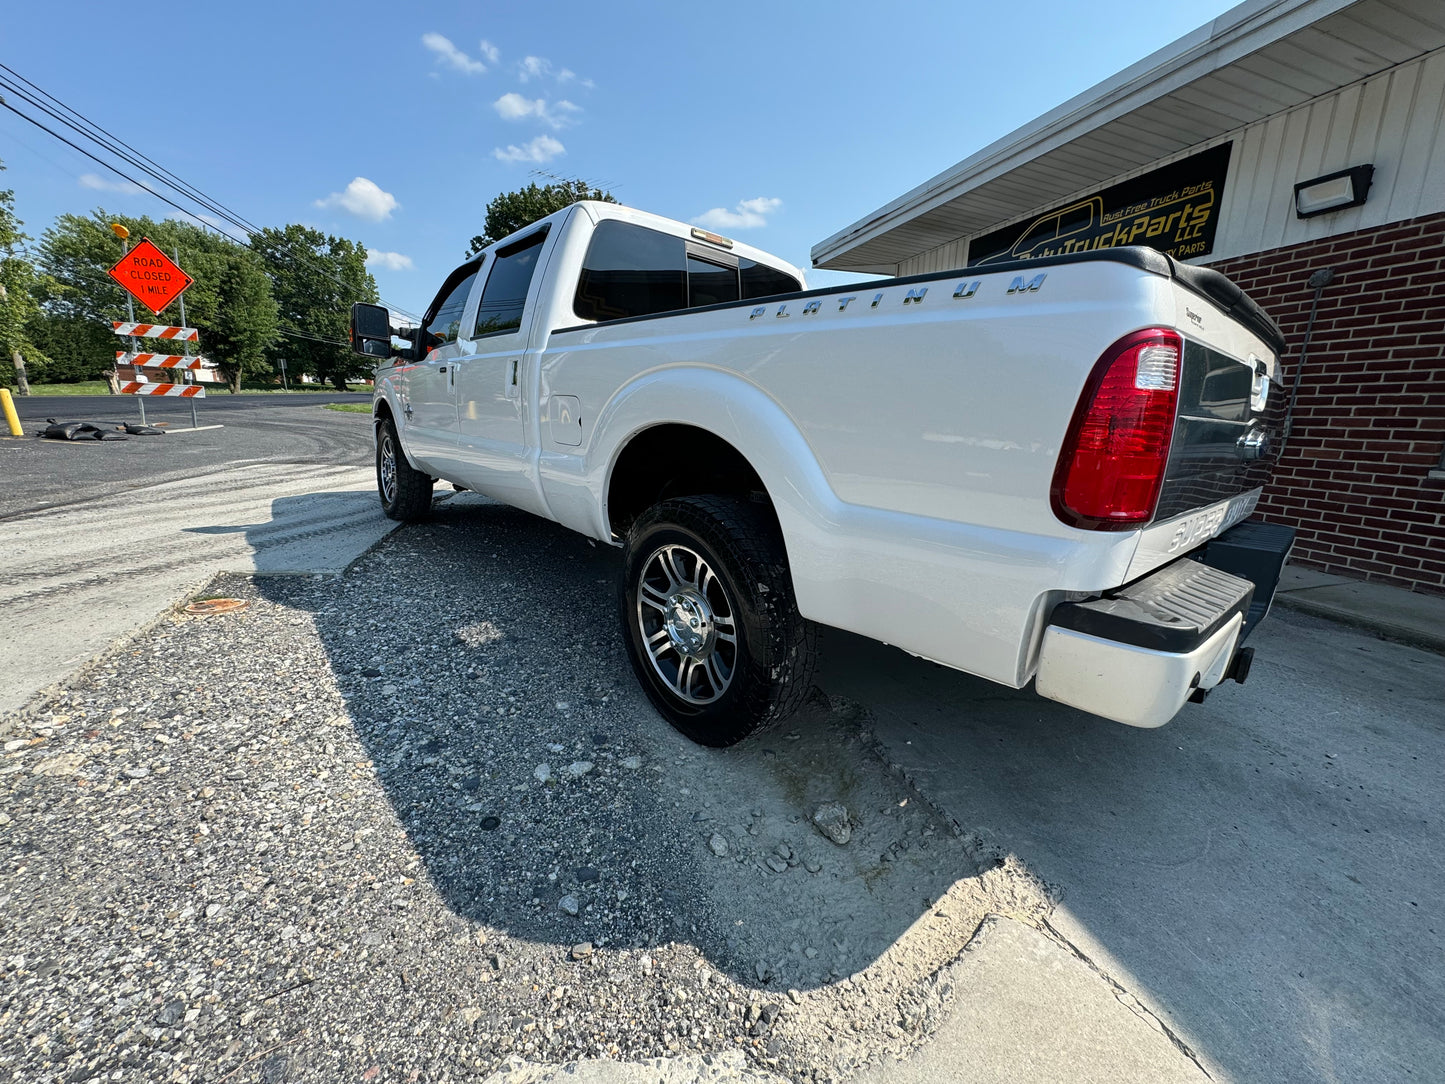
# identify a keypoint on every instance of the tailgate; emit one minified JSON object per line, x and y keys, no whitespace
{"x":1227,"y":430}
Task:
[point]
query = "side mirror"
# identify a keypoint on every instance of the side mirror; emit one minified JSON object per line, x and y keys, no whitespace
{"x":370,"y":330}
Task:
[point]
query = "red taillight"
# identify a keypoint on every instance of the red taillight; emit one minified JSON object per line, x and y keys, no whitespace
{"x":1112,"y":463}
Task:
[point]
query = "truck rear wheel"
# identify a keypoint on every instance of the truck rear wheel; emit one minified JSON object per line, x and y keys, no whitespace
{"x":709,"y":617}
{"x":405,"y":491}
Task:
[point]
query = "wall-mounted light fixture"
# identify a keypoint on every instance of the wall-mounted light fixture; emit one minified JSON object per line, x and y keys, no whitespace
{"x":1333,"y":192}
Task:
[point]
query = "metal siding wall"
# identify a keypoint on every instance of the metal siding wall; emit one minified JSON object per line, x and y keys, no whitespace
{"x":943,"y":258}
{"x":1393,"y":120}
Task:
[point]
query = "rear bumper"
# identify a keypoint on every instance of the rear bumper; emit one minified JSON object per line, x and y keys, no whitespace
{"x":1127,"y":683}
{"x":1139,"y":653}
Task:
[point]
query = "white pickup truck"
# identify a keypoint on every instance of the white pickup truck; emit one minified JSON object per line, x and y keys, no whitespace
{"x":1031,"y":471}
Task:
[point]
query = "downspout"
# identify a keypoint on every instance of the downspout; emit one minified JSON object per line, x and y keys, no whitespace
{"x":1317,"y":281}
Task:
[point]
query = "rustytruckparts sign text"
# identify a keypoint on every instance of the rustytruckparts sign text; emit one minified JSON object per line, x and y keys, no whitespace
{"x":1174,"y":208}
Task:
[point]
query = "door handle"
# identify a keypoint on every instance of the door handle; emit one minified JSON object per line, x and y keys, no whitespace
{"x":441,"y":368}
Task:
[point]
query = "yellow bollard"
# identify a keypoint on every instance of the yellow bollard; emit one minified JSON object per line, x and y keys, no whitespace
{"x":11,"y":418}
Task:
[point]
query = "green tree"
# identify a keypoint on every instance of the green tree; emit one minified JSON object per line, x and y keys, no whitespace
{"x":315,"y":278}
{"x":243,"y":326}
{"x":18,"y":308}
{"x":510,"y":211}
{"x":230,"y":301}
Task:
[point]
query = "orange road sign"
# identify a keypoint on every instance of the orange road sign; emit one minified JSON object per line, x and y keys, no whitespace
{"x":150,"y":276}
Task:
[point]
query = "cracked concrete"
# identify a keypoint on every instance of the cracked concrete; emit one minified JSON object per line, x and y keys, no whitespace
{"x":1036,"y":1010}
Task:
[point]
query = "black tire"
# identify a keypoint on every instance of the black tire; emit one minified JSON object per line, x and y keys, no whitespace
{"x":730,"y":688}
{"x":408,"y":496}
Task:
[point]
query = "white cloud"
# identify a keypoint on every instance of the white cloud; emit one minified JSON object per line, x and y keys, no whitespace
{"x":97,"y":183}
{"x":362,"y":198}
{"x":748,"y":214}
{"x":542,"y":149}
{"x":452,"y":57}
{"x":533,"y":67}
{"x":513,"y":106}
{"x":488,"y":50}
{"x":389,"y":261}
{"x":539,"y":67}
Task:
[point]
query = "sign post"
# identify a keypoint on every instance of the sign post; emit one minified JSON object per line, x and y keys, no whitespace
{"x":123,"y":233}
{"x":176,"y":255}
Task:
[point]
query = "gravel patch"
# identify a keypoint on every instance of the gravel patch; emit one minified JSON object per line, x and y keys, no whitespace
{"x":419,"y":819}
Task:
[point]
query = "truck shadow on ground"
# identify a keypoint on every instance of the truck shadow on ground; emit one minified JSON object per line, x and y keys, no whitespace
{"x":483,"y":671}
{"x":1246,"y":869}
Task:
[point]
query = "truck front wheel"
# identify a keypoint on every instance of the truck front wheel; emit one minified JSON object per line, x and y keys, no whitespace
{"x":709,"y":617}
{"x":405,"y":491}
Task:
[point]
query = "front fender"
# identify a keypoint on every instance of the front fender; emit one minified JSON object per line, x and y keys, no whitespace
{"x":386,"y":391}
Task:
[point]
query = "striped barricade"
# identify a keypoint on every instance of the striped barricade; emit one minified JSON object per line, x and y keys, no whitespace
{"x":156,"y":331}
{"x":163,"y":361}
{"x":181,"y":391}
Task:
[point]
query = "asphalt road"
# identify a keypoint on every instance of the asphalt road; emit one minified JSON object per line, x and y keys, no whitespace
{"x":256,"y":429}
{"x":102,"y":536}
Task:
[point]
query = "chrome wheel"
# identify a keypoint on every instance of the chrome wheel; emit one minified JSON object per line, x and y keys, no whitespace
{"x":688,"y":625}
{"x":386,"y":468}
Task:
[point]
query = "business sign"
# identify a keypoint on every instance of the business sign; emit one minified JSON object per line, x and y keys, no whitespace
{"x":150,"y":276}
{"x":1174,"y":208}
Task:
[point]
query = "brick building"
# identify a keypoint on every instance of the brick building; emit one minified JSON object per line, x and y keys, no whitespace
{"x":1299,"y":147}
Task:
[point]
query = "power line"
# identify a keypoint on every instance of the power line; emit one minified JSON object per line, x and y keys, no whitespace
{"x":136,"y":159}
{"x":88,"y":129}
{"x":114,"y":143}
{"x":294,"y":334}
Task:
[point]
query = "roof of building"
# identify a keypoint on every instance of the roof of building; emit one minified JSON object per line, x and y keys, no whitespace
{"x":1252,"y":62}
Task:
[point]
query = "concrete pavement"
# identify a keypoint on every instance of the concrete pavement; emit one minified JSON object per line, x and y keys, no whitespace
{"x":1030,"y":1010}
{"x":1407,"y":616}
{"x":1263,"y":873}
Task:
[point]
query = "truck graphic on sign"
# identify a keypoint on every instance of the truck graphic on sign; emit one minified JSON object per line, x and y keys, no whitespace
{"x":1171,"y":226}
{"x":1174,"y":209}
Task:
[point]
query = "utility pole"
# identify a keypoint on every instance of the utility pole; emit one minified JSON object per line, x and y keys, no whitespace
{"x":22,"y":382}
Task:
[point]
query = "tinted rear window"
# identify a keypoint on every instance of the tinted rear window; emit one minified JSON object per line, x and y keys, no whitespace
{"x":631,"y":271}
{"x":760,"y":280}
{"x":634,"y":271}
{"x":710,"y":283}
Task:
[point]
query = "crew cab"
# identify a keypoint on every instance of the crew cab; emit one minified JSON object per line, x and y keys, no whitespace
{"x":1038,"y":471}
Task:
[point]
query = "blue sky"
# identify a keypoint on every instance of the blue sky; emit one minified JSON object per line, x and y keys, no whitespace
{"x":776,"y":123}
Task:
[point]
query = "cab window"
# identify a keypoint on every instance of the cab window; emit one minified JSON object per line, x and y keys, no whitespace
{"x":710,"y":283}
{"x":635,"y":271}
{"x":760,"y":280}
{"x":631,"y":271}
{"x":444,"y":318}
{"x":505,"y":294}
